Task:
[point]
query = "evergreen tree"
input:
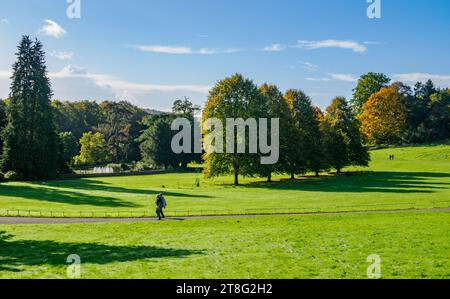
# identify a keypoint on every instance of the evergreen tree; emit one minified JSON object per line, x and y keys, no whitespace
{"x":156,"y":142}
{"x":68,"y":149}
{"x":30,"y":139}
{"x":3,"y":121}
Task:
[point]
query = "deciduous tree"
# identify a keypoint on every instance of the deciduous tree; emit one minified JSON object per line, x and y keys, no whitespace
{"x":384,"y":117}
{"x":368,"y":84}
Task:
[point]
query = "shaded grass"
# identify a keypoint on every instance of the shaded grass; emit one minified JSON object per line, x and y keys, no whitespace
{"x":411,"y":245}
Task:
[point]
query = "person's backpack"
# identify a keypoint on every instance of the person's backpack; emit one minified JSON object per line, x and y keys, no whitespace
{"x":158,"y":201}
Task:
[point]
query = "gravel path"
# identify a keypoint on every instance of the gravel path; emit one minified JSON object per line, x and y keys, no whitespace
{"x":24,"y":220}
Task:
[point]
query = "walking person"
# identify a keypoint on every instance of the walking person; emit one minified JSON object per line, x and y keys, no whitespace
{"x":161,"y":204}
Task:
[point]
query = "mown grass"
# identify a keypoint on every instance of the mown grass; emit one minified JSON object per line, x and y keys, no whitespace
{"x":418,"y":178}
{"x":410,"y":245}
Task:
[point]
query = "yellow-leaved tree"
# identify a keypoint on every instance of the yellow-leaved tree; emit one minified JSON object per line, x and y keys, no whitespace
{"x":383,"y":120}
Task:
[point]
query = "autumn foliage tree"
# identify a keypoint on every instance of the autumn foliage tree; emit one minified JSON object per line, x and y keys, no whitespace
{"x":384,"y":116}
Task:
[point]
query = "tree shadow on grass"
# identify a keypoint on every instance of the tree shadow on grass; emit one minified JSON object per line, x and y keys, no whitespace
{"x":96,"y":185}
{"x":69,"y":192}
{"x":62,"y":196}
{"x":387,"y":182}
{"x":17,"y":253}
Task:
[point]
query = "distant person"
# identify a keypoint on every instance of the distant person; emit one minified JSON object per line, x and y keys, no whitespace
{"x":161,"y":204}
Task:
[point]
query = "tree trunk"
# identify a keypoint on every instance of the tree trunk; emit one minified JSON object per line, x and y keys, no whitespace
{"x":292,"y":176}
{"x":317,"y":174}
{"x":236,"y":173}
{"x":269,"y":178}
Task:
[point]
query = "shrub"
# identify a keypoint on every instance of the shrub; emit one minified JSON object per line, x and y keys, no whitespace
{"x":139,"y":166}
{"x":12,"y":176}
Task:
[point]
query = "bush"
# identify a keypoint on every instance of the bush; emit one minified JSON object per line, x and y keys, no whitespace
{"x":139,"y":166}
{"x":116,"y":167}
{"x":12,"y":176}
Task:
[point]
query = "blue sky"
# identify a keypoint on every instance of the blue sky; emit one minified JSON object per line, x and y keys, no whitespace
{"x":152,"y":52}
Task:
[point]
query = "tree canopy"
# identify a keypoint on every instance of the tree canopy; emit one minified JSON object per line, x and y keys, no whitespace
{"x":368,"y":84}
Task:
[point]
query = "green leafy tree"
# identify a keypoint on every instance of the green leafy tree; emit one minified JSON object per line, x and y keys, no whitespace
{"x":438,"y":119}
{"x":368,"y":84}
{"x":121,"y":127}
{"x":306,"y":135}
{"x":317,"y":161}
{"x":234,"y":97}
{"x":185,"y":107}
{"x":77,"y":117}
{"x":277,"y":107}
{"x":343,"y":140}
{"x":30,"y":139}
{"x":93,"y":150}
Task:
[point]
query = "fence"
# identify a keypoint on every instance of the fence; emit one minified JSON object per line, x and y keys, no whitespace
{"x":221,"y":212}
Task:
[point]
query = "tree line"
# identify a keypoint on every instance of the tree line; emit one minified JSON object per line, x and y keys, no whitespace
{"x":310,"y":140}
{"x":43,"y":138}
{"x":400,"y":114}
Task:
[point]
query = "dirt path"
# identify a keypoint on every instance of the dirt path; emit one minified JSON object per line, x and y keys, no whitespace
{"x":22,"y":220}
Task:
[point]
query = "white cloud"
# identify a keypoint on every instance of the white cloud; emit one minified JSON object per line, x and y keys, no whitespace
{"x":274,"y":48}
{"x":124,"y":88}
{"x":309,"y":66}
{"x":232,"y":50}
{"x":62,"y":55}
{"x":51,"y":28}
{"x":439,"y":80}
{"x":332,"y":43}
{"x":182,"y":50}
{"x":318,"y":79}
{"x":373,"y":43}
{"x":4,"y":21}
{"x":344,"y":77}
{"x":174,"y":50}
{"x":335,"y":77}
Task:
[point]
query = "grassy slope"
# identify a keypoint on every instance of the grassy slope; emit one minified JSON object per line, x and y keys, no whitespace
{"x":419,"y":177}
{"x":411,"y":245}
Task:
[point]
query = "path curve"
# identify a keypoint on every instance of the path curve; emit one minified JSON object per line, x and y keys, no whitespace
{"x":22,"y":220}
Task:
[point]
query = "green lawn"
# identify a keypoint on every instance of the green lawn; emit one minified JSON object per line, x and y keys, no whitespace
{"x":418,"y":178}
{"x":410,"y":245}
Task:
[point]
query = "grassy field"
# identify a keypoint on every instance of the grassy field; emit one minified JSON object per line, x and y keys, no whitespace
{"x":410,"y":245}
{"x":418,"y":178}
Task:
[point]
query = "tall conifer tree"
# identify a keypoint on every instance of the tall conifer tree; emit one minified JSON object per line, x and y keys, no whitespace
{"x":30,"y":139}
